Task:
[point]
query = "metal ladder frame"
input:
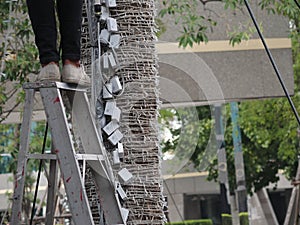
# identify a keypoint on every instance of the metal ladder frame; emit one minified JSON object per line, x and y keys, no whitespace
{"x":65,"y":155}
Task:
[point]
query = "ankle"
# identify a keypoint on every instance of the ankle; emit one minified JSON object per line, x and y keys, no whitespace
{"x":46,"y":64}
{"x":72,"y":62}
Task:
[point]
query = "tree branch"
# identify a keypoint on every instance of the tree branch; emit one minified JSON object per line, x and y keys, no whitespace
{"x":207,"y":1}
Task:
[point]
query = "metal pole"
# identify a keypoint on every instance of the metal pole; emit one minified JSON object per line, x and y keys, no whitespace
{"x":222,"y":161}
{"x":18,"y":195}
{"x":238,"y":159}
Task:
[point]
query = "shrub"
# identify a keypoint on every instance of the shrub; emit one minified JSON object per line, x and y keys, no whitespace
{"x":244,"y":218}
{"x":226,"y":219}
{"x":193,"y":222}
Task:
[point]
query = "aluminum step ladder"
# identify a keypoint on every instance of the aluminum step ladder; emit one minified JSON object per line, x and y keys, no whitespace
{"x":65,"y":155}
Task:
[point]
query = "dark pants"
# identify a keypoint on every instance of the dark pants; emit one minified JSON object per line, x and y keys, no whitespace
{"x":43,"y":20}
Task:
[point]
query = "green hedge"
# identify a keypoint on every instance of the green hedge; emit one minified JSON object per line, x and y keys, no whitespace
{"x":193,"y":222}
{"x":226,"y":219}
{"x":244,"y":218}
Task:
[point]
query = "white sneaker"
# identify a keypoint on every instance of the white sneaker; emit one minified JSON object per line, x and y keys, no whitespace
{"x":49,"y":72}
{"x":75,"y":75}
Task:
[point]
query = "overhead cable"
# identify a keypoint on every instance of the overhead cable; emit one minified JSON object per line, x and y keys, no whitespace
{"x":279,"y":76}
{"x":297,"y":3}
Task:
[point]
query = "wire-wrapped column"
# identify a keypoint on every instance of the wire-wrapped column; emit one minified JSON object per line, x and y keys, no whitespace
{"x":139,"y":105}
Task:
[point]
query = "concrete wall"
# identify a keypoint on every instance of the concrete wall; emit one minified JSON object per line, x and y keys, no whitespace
{"x":6,"y":186}
{"x":175,"y":187}
{"x":191,"y":183}
{"x":217,"y":71}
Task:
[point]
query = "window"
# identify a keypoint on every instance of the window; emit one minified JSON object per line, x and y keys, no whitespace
{"x":280,"y":200}
{"x":203,"y":207}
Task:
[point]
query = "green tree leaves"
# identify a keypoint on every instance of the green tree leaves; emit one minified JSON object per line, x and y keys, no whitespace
{"x":186,"y":14}
{"x":18,"y":54}
{"x":270,"y":134}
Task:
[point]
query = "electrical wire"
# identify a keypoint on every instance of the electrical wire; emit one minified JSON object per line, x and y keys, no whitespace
{"x":5,"y":214}
{"x":38,"y":176}
{"x":297,"y":3}
{"x":279,"y":76}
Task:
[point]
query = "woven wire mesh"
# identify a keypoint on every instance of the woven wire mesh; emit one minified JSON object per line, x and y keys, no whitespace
{"x":139,"y":104}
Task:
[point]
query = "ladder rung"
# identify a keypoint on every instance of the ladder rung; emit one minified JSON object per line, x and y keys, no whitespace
{"x":49,"y":84}
{"x":87,"y":157}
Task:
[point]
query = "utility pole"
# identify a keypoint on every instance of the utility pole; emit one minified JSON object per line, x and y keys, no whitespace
{"x":222,"y":161}
{"x":241,"y":191}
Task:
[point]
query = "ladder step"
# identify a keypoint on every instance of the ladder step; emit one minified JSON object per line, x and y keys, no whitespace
{"x":87,"y":157}
{"x":49,"y":84}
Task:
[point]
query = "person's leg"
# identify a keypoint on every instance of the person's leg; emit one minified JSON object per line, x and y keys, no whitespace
{"x":42,"y":16}
{"x":70,"y":18}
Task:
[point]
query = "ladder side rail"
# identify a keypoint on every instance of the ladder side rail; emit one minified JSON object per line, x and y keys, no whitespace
{"x":88,"y":132}
{"x":61,"y":136}
{"x":109,"y":200}
{"x":22,"y":158}
{"x":92,"y":144}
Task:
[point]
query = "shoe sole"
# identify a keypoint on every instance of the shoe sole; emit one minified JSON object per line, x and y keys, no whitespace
{"x":49,"y":79}
{"x":75,"y":81}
